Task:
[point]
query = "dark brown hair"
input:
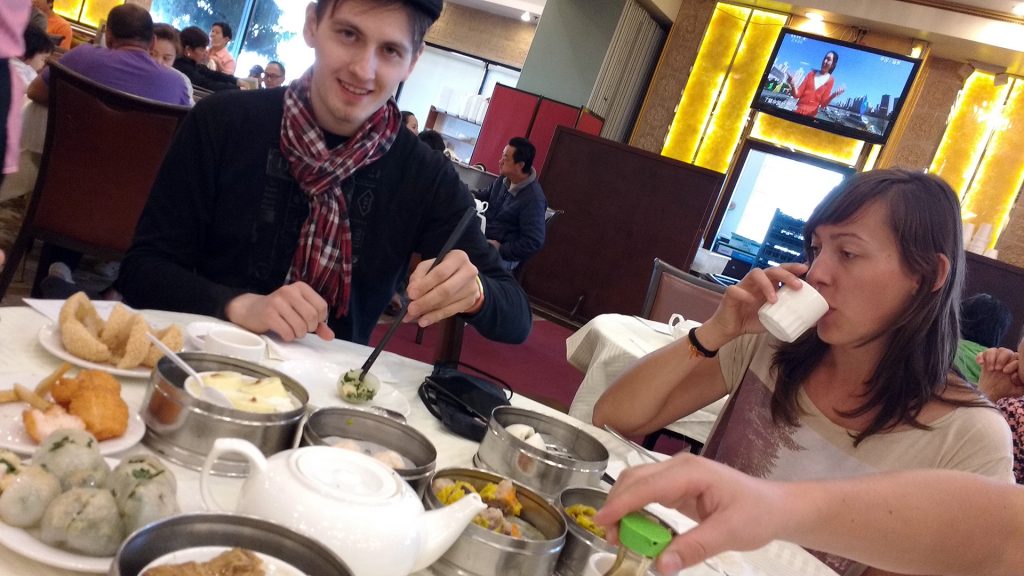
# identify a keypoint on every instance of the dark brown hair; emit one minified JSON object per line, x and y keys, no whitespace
{"x":167,"y":32}
{"x":924,"y":215}
{"x":419,"y":21}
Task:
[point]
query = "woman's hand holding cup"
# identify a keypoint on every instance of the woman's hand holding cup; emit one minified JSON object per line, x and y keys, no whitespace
{"x":738,"y":313}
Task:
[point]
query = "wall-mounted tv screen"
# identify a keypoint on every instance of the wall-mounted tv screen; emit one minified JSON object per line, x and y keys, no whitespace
{"x":844,"y":88}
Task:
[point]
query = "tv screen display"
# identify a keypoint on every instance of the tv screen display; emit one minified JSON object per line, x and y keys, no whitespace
{"x":844,"y":88}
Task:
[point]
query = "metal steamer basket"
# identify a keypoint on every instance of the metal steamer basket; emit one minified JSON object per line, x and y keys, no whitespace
{"x":182,"y":428}
{"x":188,"y":531}
{"x":571,"y":456}
{"x":481,"y":552}
{"x":361,"y":425}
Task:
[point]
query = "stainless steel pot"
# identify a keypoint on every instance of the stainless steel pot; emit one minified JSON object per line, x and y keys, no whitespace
{"x":182,"y":428}
{"x":361,"y":425}
{"x":572,"y":457}
{"x":580,"y":544}
{"x":481,"y":552}
{"x":229,"y":530}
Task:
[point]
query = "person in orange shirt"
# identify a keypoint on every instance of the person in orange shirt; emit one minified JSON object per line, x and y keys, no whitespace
{"x":55,"y":24}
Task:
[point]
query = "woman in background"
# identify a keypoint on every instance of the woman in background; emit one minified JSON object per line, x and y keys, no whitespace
{"x":815,"y":92}
{"x":14,"y":15}
{"x":1002,"y":381}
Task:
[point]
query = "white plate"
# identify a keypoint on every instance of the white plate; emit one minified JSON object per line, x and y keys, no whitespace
{"x":25,"y":543}
{"x":272,"y":566}
{"x":321,"y":381}
{"x":14,"y":438}
{"x":49,"y":337}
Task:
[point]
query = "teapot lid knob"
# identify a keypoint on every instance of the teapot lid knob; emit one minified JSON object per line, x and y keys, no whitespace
{"x":346,"y":475}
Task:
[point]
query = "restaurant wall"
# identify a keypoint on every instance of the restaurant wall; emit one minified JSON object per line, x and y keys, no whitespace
{"x":915,"y":146}
{"x":569,"y":48}
{"x":670,"y":76}
{"x":484,"y":35}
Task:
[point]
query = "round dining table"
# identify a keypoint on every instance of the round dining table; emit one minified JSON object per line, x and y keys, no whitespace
{"x":22,"y":353}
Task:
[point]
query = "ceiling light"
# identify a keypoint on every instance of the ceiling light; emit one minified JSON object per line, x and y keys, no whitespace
{"x":815,"y":17}
{"x":526,"y":17}
{"x":1018,"y":10}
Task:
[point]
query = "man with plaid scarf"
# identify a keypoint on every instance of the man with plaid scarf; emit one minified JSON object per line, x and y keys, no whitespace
{"x":297,"y":210}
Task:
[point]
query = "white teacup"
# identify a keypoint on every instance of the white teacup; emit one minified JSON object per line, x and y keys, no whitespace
{"x":795,"y":312}
{"x":481,"y":206}
{"x":234,"y":342}
{"x":681,"y":326}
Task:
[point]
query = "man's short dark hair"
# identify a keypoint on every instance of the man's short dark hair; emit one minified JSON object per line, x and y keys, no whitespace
{"x":167,"y":32}
{"x":419,"y":21}
{"x":984,"y":319}
{"x":130,"y":23}
{"x":36,"y":42}
{"x":433,"y":139}
{"x":279,"y":65}
{"x":225,"y":29}
{"x":525,"y":152}
{"x":194,"y":37}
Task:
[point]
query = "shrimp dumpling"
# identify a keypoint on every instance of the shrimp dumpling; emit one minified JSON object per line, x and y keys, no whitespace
{"x":391,"y":459}
{"x":25,"y":500}
{"x":84,"y":520}
{"x":521,"y":431}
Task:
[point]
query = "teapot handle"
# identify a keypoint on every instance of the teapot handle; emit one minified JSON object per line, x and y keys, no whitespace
{"x":227,"y":446}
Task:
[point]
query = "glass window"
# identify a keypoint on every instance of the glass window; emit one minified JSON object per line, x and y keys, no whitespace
{"x":276,"y":34}
{"x":201,"y":13}
{"x":499,"y":75}
{"x":442,"y":78}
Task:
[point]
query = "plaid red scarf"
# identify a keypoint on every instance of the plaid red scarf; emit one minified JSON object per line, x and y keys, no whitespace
{"x":324,"y":255}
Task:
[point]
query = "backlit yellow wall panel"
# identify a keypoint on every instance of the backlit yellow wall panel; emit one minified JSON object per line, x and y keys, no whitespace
{"x":1001,"y":172}
{"x":723,"y":133}
{"x":716,"y":51}
{"x":94,"y":12}
{"x":968,"y":131}
{"x":806,"y":139}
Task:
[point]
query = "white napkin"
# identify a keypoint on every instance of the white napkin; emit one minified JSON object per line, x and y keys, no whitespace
{"x":51,"y":308}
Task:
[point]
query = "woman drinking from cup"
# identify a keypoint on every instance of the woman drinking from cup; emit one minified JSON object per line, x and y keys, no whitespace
{"x":870,"y":388}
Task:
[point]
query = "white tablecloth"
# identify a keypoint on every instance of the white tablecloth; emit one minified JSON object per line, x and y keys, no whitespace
{"x":609,"y":344}
{"x":20,"y":352}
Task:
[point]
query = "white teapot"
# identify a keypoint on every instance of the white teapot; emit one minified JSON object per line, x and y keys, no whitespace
{"x":352,"y":503}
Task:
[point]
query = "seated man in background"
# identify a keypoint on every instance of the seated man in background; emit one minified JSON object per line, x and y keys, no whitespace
{"x":515,"y":205}
{"x":984,"y":320}
{"x":124,"y":65}
{"x":296,"y":211}
{"x":274,"y":74}
{"x":166,"y":49}
{"x":194,"y":59}
{"x":55,"y":24}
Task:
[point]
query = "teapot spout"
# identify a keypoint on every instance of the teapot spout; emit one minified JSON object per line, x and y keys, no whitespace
{"x":439,"y":528}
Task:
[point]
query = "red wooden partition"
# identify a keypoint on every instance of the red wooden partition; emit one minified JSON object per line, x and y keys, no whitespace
{"x":589,"y":122}
{"x":509,"y":114}
{"x":550,"y":115}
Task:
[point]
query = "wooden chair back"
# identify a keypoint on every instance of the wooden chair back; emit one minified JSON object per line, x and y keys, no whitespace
{"x":102,"y":152}
{"x":672,"y":291}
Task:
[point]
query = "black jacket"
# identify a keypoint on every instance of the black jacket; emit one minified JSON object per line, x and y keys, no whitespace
{"x":224,"y":218}
{"x":203,"y":77}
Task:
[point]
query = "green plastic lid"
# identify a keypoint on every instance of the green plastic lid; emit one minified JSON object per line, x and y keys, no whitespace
{"x":642,"y":535}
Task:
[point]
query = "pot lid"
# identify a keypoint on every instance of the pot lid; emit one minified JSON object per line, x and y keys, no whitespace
{"x":345,"y":475}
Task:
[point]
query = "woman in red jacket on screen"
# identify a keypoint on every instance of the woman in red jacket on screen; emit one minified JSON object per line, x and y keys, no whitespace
{"x":815,"y":92}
